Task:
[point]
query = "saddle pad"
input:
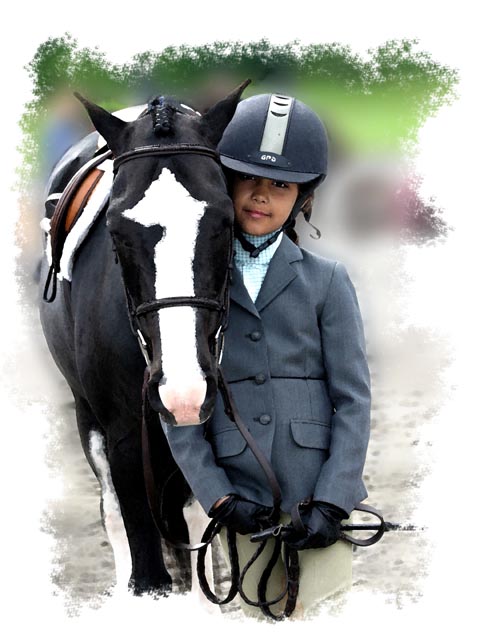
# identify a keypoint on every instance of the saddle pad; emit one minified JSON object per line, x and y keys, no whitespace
{"x":86,"y":205}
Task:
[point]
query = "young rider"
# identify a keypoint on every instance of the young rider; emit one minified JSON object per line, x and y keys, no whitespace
{"x":294,"y":354}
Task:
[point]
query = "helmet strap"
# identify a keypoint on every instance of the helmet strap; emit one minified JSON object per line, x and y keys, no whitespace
{"x":250,"y":247}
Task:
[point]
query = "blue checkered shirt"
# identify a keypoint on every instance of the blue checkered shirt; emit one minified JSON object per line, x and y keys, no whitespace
{"x":253,"y":270}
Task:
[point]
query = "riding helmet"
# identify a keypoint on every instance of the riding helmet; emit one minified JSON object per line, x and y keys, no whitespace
{"x":278,"y":137}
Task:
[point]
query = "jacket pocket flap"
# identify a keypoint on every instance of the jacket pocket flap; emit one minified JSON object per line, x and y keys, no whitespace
{"x":228,"y":443}
{"x":309,"y":433}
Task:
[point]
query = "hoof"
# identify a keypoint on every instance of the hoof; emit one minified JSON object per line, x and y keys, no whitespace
{"x":155,"y":591}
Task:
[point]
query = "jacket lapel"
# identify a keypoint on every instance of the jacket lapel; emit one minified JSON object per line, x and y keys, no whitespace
{"x":239,"y":293}
{"x":280,"y":272}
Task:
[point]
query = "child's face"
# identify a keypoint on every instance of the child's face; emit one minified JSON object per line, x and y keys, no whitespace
{"x":262,"y":205}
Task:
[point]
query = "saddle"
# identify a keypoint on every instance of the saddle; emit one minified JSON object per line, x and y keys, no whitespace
{"x":67,"y":212}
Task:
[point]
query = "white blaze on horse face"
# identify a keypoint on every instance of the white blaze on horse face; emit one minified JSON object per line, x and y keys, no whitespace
{"x":167,"y":203}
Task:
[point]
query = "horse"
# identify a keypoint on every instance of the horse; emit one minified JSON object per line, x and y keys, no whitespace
{"x":148,"y":282}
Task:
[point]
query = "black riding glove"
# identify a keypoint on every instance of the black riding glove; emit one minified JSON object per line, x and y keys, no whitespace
{"x":242,"y":515}
{"x":322,"y":524}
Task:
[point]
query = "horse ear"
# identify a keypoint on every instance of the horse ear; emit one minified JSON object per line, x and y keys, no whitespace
{"x":107,"y":125}
{"x":215,"y":120}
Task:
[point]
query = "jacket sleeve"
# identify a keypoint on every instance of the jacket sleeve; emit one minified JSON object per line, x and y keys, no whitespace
{"x":348,"y":379}
{"x":194,"y":455}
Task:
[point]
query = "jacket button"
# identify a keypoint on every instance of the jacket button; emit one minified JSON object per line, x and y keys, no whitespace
{"x":265,"y":419}
{"x":260,"y":378}
{"x":255,"y":336}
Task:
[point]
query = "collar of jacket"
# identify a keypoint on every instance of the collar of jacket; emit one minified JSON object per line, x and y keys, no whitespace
{"x":280,"y":273}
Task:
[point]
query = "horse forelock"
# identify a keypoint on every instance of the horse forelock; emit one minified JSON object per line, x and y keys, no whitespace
{"x":163,"y":115}
{"x":164,"y":110}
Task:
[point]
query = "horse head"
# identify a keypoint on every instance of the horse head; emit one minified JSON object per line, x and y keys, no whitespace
{"x":171,"y":221}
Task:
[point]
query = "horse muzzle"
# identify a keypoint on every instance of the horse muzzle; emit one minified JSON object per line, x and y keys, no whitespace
{"x":181,"y":403}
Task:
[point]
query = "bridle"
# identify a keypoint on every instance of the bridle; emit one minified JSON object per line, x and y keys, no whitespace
{"x":211,"y":304}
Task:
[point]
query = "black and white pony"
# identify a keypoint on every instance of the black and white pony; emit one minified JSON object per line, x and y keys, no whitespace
{"x":166,"y":234}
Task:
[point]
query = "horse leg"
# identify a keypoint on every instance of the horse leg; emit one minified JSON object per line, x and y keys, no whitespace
{"x":125,"y":512}
{"x":111,"y":512}
{"x":149,"y":574}
{"x":93,"y":443}
{"x":174,"y":492}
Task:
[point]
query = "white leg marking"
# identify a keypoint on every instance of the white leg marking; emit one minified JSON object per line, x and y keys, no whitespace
{"x":168,"y":203}
{"x":112,"y":514}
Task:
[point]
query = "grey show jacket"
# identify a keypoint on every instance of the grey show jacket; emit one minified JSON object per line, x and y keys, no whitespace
{"x":296,"y":364}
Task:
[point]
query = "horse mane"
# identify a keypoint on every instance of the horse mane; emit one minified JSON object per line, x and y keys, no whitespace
{"x":162,"y":114}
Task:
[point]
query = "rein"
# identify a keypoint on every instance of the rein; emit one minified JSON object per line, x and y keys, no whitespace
{"x":214,"y":527}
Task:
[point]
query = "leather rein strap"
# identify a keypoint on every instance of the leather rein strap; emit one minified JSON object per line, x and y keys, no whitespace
{"x":236,"y":586}
{"x":232,"y":412}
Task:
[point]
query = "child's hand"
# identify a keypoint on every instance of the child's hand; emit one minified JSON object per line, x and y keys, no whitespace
{"x":241,"y":515}
{"x":322,"y":525}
